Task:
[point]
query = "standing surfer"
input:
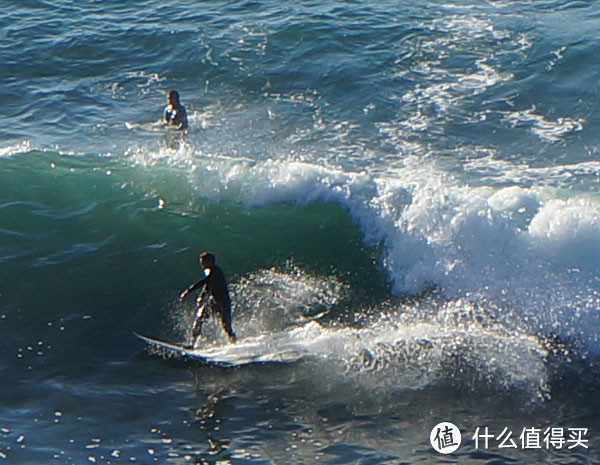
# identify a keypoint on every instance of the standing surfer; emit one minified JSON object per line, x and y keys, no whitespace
{"x":214,"y":298}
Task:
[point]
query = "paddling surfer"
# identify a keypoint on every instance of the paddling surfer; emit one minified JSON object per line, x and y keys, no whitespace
{"x":214,"y":298}
{"x":175,"y":114}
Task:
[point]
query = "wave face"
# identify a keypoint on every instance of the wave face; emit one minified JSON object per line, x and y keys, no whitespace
{"x":403,"y":196}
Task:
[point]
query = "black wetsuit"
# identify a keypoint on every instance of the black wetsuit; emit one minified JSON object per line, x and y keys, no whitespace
{"x":176,"y":116}
{"x":215,"y":288}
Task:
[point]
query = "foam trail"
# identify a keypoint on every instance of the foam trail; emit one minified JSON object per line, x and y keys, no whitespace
{"x":402,"y":356}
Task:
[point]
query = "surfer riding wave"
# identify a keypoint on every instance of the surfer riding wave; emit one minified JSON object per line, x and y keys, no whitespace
{"x":214,"y":299}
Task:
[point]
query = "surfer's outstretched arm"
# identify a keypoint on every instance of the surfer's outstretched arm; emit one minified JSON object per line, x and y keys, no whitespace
{"x":192,"y":288}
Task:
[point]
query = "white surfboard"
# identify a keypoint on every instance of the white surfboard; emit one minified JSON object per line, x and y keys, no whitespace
{"x":259,"y":349}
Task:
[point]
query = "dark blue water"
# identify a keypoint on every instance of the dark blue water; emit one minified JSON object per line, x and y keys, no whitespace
{"x":403,"y":195}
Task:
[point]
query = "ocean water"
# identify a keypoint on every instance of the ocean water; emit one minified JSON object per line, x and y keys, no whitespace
{"x":404,"y":193}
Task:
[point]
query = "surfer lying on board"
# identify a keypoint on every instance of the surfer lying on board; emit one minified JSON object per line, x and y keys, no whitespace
{"x":214,"y":298}
{"x":175,"y":114}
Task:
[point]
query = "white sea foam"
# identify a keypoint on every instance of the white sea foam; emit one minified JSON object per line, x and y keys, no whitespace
{"x":11,"y":150}
{"x":542,"y":127}
{"x":274,"y":299}
{"x":399,"y":355}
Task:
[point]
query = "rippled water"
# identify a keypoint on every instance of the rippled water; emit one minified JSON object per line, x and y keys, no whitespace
{"x":403,"y":196}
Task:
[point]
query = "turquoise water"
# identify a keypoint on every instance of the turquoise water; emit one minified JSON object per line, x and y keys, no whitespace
{"x":405,"y":192}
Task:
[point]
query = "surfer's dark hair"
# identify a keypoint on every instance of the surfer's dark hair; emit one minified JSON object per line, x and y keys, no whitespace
{"x":173,"y":93}
{"x":208,"y":256}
